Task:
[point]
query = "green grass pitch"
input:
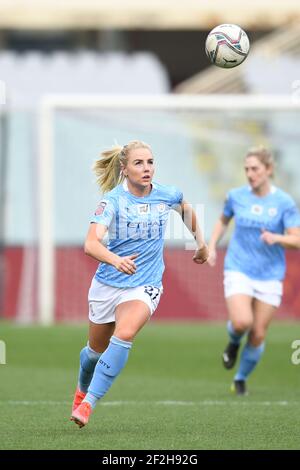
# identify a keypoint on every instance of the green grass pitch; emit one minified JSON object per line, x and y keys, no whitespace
{"x":173,"y":393}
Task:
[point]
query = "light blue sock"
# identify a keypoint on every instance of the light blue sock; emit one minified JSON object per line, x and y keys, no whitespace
{"x":107,"y":369}
{"x":88,"y":361}
{"x":249,"y":358}
{"x":235,"y":337}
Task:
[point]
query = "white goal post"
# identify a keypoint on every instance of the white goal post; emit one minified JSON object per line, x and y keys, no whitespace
{"x":51,"y":103}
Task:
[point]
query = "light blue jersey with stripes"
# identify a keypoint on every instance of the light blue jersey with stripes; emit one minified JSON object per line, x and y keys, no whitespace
{"x":136,"y":225}
{"x":247,"y":253}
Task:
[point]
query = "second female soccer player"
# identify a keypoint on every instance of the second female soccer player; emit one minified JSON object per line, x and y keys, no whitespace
{"x":266,"y":222}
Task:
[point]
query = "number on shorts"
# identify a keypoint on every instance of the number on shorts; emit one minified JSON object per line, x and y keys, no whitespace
{"x":153,"y":292}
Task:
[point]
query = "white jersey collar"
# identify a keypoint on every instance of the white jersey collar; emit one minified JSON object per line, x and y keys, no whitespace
{"x":125,"y":185}
{"x":273,"y":189}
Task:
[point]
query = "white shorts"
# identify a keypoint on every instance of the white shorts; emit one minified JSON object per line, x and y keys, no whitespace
{"x":269,"y":292}
{"x":103,"y":299}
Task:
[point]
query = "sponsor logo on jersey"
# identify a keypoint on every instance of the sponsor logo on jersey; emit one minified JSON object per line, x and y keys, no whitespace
{"x":256,"y":209}
{"x":100,"y":208}
{"x":272,"y":211}
{"x":143,"y":208}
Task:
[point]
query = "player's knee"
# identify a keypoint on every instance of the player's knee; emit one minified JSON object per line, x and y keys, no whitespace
{"x":257,"y":337}
{"x":125,"y":334}
{"x":241,"y":325}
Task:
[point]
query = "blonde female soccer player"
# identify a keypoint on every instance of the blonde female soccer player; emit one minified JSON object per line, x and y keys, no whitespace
{"x":266,"y":222}
{"x":127,"y":286}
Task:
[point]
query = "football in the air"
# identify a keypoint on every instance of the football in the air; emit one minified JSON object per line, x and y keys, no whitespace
{"x":227,"y":46}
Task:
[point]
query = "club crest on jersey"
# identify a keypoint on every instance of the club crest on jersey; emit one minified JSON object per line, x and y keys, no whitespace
{"x":143,"y":209}
{"x":100,"y":208}
{"x":272,"y":212}
{"x":256,"y":209}
{"x":161,"y":207}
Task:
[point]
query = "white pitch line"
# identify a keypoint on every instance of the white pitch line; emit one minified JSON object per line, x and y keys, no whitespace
{"x":237,"y":402}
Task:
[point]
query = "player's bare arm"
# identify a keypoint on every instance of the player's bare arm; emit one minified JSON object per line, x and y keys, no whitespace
{"x":94,"y":247}
{"x":291,"y":239}
{"x":217,"y":234}
{"x":190,"y":220}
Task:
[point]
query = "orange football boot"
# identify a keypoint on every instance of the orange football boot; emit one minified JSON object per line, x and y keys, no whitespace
{"x":81,"y":415}
{"x":78,"y":397}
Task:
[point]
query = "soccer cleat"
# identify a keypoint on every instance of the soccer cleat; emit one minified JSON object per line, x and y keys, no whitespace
{"x":229,"y":356}
{"x":81,"y":415}
{"x":78,"y":397}
{"x":239,"y":387}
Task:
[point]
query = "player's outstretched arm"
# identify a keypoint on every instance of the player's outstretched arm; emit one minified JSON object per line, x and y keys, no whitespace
{"x":190,"y":220}
{"x":218,"y":232}
{"x":94,"y":247}
{"x":291,"y":239}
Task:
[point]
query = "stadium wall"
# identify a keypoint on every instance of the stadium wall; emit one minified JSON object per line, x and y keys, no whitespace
{"x":191,"y":292}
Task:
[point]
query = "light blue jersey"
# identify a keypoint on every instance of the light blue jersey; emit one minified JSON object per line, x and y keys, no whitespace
{"x":247,"y":253}
{"x":136,"y":225}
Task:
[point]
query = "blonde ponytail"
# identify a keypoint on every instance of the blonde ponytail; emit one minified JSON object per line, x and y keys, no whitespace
{"x":108,"y":169}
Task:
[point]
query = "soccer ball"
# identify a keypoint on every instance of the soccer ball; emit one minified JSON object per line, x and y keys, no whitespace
{"x":227,"y":46}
